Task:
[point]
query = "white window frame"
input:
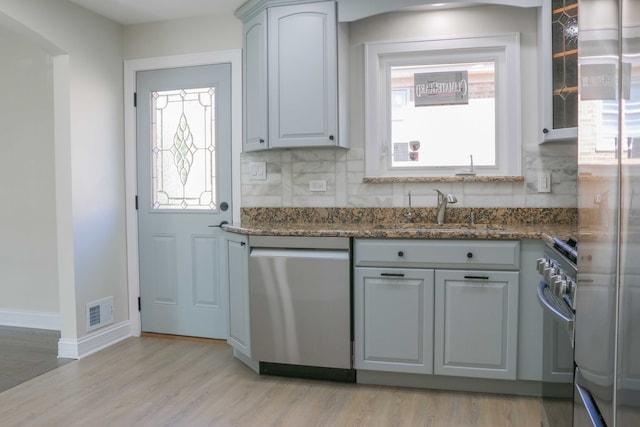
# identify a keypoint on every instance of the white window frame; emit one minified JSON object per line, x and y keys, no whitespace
{"x":380,"y":56}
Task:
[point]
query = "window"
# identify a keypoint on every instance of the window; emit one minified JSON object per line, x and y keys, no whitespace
{"x":441,"y":107}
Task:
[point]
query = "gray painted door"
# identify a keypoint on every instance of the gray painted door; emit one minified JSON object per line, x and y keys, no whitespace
{"x":184,"y":192}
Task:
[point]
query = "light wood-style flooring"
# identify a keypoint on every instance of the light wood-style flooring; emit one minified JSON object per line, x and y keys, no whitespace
{"x":26,"y":353}
{"x":153,"y":381}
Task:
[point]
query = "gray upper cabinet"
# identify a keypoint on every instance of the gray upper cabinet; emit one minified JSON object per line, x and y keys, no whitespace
{"x":290,"y":75}
{"x":558,"y":74}
{"x":303,"y":71}
{"x":255,"y":102}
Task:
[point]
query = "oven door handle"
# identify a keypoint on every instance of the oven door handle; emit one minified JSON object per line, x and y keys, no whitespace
{"x":562,"y":317}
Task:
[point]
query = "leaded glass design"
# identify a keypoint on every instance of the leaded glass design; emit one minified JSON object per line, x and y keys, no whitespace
{"x":565,"y":63}
{"x":183,"y":154}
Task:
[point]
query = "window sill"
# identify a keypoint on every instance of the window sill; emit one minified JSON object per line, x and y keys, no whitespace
{"x":418,"y":179}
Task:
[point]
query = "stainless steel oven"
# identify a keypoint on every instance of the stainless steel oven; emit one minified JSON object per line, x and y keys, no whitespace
{"x":556,"y":292}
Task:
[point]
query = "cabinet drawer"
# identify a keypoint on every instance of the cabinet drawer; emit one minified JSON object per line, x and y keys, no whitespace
{"x":483,"y":254}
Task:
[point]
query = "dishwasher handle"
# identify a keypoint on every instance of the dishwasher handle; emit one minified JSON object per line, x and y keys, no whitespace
{"x":299,"y":253}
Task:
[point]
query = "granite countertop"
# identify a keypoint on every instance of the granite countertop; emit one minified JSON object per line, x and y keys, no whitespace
{"x":390,"y":223}
{"x":407,"y":231}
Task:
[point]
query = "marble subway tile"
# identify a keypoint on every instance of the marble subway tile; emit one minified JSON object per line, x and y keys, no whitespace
{"x":261,"y":201}
{"x":314,"y":167}
{"x":313,"y":155}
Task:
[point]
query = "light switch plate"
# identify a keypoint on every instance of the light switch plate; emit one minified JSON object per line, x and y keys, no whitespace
{"x":544,"y":182}
{"x":257,"y":171}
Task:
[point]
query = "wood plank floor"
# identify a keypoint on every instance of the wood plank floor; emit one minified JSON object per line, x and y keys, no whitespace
{"x":26,"y":353}
{"x":158,"y":382}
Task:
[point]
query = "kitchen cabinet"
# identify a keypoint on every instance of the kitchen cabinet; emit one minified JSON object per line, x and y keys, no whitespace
{"x":558,"y":74}
{"x":558,"y":355}
{"x":476,"y":323}
{"x":237,"y":267}
{"x":394,"y":320}
{"x":254,"y":82}
{"x":418,"y":302}
{"x":291,"y":75}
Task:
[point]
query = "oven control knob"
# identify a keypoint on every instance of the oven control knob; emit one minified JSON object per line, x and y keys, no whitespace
{"x":541,"y":264}
{"x":549,"y":274}
{"x":559,"y":287}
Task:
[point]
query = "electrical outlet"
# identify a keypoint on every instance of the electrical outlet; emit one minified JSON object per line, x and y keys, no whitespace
{"x":318,"y":185}
{"x":544,"y":182}
{"x":257,"y":171}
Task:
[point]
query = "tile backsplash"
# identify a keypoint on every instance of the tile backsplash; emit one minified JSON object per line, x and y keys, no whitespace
{"x":289,"y":173}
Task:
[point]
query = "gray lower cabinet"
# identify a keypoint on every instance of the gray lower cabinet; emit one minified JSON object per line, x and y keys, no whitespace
{"x":237,"y":267}
{"x":442,"y":307}
{"x":393,"y":317}
{"x":476,"y":323}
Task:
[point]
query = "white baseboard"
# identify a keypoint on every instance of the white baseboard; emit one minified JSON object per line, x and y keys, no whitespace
{"x":101,"y":339}
{"x":30,"y":319}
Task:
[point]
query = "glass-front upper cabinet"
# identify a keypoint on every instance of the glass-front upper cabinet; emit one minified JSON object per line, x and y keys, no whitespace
{"x":558,"y":47}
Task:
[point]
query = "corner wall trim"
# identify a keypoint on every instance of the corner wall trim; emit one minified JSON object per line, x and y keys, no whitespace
{"x":101,"y":339}
{"x":30,"y":319}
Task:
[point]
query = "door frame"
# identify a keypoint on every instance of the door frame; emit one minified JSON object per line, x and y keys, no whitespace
{"x":131,"y":67}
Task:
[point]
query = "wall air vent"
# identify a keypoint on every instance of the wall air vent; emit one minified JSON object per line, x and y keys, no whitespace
{"x":99,"y":313}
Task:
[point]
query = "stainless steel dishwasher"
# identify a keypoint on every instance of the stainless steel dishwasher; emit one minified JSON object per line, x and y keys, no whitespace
{"x":300,"y":298}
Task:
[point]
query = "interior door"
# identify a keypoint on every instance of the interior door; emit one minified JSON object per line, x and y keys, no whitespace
{"x":183,"y":137}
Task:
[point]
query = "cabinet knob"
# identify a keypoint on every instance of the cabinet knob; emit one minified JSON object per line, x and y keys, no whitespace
{"x":469,"y":255}
{"x":400,"y":253}
{"x":261,"y":141}
{"x":331,"y":138}
{"x":545,"y":130}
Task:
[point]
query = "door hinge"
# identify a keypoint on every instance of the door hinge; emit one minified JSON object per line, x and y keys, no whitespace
{"x":136,"y":202}
{"x":139,"y":304}
{"x":135,"y":99}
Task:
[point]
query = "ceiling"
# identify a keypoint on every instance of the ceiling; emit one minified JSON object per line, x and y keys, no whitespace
{"x":142,"y":11}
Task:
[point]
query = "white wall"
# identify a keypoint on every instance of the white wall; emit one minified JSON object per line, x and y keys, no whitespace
{"x":88,"y":151}
{"x":182,"y":36}
{"x":288,"y":172}
{"x":28,"y":254}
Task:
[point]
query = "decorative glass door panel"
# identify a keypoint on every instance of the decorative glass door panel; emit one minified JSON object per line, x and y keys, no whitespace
{"x":183,"y":149}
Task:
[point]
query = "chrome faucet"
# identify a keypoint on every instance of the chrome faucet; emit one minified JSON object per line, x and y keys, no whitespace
{"x":442,"y":205}
{"x":408,"y":214}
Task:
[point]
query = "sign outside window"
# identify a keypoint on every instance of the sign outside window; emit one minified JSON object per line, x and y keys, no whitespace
{"x":441,"y":88}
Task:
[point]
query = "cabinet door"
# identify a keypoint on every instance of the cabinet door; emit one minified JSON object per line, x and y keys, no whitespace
{"x":303,"y":80}
{"x":476,"y":323}
{"x":255,"y":84}
{"x":557,"y":352}
{"x":558,"y":74}
{"x":393,"y":317}
{"x":237,"y":254}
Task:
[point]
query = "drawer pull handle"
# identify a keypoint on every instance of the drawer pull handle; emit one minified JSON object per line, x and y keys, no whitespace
{"x":469,"y":255}
{"x":477,"y":277}
{"x":400,"y":254}
{"x":392,"y":274}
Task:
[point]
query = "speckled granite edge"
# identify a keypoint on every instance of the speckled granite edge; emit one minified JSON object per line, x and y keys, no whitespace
{"x":385,"y":223}
{"x":459,"y":178}
{"x":396,"y":216}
